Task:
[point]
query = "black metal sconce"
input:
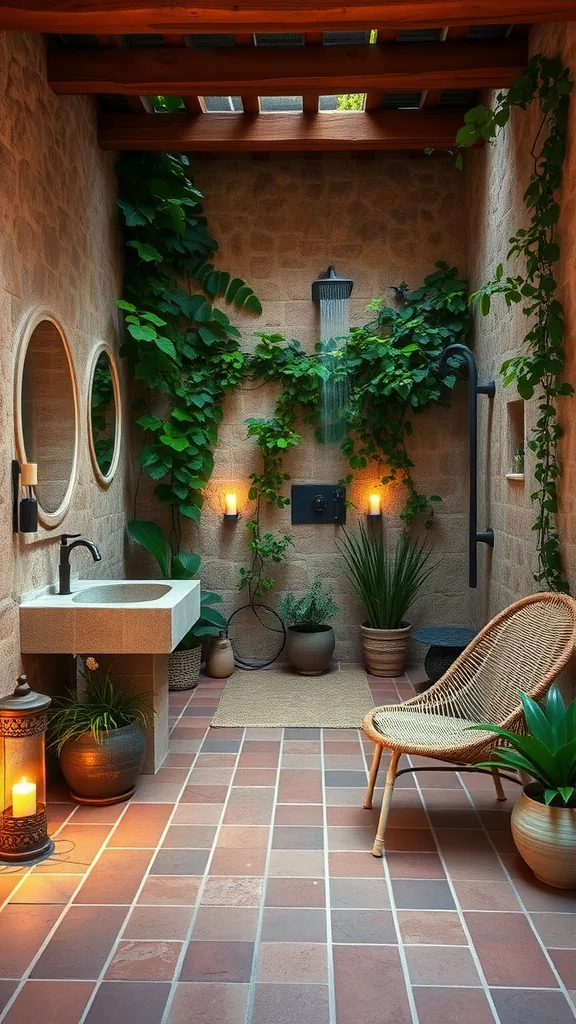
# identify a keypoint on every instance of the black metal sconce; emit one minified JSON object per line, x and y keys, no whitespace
{"x":24,"y":509}
{"x":231,"y":513}
{"x":475,"y":536}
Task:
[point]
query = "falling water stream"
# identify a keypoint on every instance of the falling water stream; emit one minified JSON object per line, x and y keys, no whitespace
{"x":333,"y":334}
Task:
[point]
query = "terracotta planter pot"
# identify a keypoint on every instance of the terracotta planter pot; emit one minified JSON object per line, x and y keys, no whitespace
{"x":385,"y":649}
{"x":546,"y":839}
{"x":310,"y":650}
{"x":105,"y":772}
{"x":184,"y":669}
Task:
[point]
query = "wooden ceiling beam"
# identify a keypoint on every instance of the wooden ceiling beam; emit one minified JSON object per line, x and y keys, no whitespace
{"x":386,"y":130}
{"x":286,"y":71}
{"x":182,"y":16}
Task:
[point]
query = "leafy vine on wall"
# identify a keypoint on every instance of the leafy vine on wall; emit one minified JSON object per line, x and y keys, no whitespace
{"x":539,"y":369}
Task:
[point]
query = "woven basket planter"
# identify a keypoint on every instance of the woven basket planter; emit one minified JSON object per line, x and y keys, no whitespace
{"x":184,"y":669}
{"x":385,"y":650}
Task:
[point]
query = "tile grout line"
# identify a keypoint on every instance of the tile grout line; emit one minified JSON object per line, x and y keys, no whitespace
{"x":130,"y":907}
{"x":393,"y":910}
{"x":60,"y":918}
{"x":260,"y":920}
{"x":563,"y":988}
{"x":459,"y":911}
{"x":327,"y":894}
{"x":30,"y":868}
{"x":188,"y":937}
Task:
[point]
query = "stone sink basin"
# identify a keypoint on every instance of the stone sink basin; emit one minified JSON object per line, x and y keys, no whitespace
{"x":110,"y":617}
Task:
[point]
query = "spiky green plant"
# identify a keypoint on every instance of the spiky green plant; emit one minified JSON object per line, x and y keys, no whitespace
{"x":387,"y":582}
{"x":547,"y":752}
{"x":314,"y":609}
{"x":104,"y":707}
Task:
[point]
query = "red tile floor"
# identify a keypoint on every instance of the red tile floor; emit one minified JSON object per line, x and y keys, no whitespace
{"x":238,"y":887}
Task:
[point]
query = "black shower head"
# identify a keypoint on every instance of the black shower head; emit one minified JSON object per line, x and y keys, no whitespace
{"x":330,"y":286}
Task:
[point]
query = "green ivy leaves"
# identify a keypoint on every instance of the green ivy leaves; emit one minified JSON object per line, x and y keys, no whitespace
{"x":537,"y":371}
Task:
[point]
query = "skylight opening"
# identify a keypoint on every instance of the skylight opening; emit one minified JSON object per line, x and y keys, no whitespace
{"x":223,"y":104}
{"x":281,"y":104}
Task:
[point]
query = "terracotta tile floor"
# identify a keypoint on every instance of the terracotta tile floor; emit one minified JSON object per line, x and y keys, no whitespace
{"x":238,"y":887}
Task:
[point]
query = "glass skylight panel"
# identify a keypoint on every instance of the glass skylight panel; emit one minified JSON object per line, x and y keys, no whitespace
{"x":419,"y":35}
{"x":351,"y":104}
{"x":206,"y":41}
{"x":282,"y":104}
{"x":401,"y":101}
{"x":279,"y":38}
{"x":223,"y":104}
{"x":346,"y":38}
{"x":328,"y":103}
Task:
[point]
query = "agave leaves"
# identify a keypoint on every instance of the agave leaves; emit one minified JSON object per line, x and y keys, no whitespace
{"x":547,"y":752}
{"x":387,"y":583}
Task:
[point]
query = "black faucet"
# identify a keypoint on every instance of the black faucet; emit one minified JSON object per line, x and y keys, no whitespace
{"x":65,"y":549}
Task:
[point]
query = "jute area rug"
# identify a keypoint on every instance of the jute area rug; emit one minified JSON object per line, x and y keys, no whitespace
{"x":261,"y":699}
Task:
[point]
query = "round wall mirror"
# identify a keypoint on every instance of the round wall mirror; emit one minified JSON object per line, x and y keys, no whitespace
{"x":104,"y":414}
{"x":46,"y":415}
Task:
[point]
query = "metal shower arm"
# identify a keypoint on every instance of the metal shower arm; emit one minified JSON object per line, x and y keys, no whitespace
{"x":475,"y":537}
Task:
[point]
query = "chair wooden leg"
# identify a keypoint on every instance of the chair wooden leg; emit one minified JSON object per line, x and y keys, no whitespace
{"x":386,"y":801}
{"x":373,"y":776}
{"x":500,"y":794}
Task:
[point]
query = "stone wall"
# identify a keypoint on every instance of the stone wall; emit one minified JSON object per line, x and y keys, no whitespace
{"x":58,"y":251}
{"x":495,"y":181}
{"x":279,"y":224}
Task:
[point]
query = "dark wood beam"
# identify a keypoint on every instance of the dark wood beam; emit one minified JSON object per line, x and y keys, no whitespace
{"x":386,"y":130}
{"x":284,"y":71}
{"x":182,"y":16}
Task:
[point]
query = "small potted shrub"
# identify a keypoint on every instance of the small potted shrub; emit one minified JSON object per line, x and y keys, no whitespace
{"x":184,"y":662}
{"x":99,"y":738}
{"x":309,"y":638}
{"x":544,"y":818}
{"x":387,"y":584}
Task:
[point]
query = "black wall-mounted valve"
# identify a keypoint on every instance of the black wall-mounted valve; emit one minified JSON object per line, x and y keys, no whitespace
{"x":488,"y":388}
{"x":318,"y":503}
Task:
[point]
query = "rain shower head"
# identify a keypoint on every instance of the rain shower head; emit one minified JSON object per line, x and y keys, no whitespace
{"x":330,"y":286}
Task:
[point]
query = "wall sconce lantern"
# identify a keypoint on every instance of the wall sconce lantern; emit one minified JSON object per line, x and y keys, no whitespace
{"x":374,"y":507}
{"x":231,"y":513}
{"x":24,"y":509}
{"x":23,"y":823}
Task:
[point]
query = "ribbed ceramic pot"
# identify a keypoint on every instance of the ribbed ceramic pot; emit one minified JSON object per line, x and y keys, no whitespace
{"x":546,"y":839}
{"x":105,"y":772}
{"x":184,"y":669}
{"x":385,"y":649}
{"x":310,"y":650}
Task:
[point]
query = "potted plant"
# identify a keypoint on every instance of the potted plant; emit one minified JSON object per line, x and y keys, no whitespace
{"x":184,"y":662}
{"x":99,"y":739}
{"x":387,"y":584}
{"x":309,"y":639}
{"x":544,"y":818}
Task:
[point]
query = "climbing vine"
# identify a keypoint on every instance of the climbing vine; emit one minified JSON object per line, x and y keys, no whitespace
{"x":389,"y":367}
{"x":184,"y":350}
{"x":538,"y":370}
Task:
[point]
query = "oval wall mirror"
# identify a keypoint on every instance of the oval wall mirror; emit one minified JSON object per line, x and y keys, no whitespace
{"x":104,"y":414}
{"x":47,"y":415}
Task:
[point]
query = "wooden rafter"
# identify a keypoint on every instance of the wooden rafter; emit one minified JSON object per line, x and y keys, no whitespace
{"x":179,"y":16}
{"x":277,"y":71}
{"x":386,"y":130}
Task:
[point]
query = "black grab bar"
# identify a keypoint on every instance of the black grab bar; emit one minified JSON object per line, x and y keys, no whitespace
{"x":474,"y":389}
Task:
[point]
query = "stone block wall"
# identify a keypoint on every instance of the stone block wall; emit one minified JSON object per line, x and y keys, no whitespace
{"x":279,"y":224}
{"x":496,"y":178}
{"x":58,"y":251}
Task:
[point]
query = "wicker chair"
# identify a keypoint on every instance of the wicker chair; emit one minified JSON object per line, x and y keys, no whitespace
{"x":523,"y":648}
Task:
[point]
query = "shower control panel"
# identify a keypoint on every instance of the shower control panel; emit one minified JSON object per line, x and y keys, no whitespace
{"x":318,"y":503}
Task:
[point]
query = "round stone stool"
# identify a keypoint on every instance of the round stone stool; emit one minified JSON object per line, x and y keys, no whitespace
{"x":445,"y":644}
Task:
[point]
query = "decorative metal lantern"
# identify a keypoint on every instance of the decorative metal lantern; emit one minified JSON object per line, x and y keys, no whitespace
{"x":23,"y":823}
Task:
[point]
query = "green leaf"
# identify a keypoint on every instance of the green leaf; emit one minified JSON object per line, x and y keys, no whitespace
{"x":149,"y":536}
{"x":145,"y":251}
{"x":191,"y":512}
{"x":167,"y":346}
{"x":185,"y":565}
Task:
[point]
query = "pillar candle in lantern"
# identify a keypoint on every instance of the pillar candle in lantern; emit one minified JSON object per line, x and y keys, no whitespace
{"x":23,"y":798}
{"x":230,"y":505}
{"x":374,"y":508}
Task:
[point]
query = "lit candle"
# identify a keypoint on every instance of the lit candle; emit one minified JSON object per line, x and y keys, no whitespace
{"x":374,"y":508}
{"x":230,"y":505}
{"x":23,"y":798}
